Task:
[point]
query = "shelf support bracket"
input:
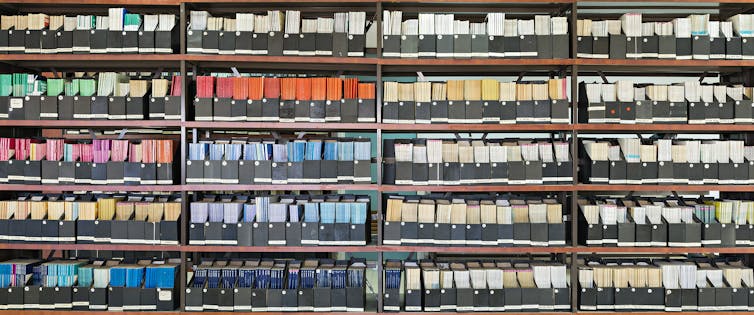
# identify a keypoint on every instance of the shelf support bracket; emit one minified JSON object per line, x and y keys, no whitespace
{"x":520,"y":76}
{"x":675,"y":194}
{"x":157,"y":73}
{"x":602,"y":75}
{"x":704,"y":74}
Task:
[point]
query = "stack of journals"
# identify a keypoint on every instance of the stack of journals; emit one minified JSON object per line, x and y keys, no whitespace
{"x":666,"y":161}
{"x":101,"y":162}
{"x":278,"y":33}
{"x":118,"y":32}
{"x":82,"y":284}
{"x":319,"y":285}
{"x":476,"y":286}
{"x":476,"y":162}
{"x":475,"y":101}
{"x":688,"y":102}
{"x":682,"y":38}
{"x":276,"y":99}
{"x":106,"y":95}
{"x":341,"y":160}
{"x":115,"y":219}
{"x":669,"y":285}
{"x":442,"y":36}
{"x":666,"y":222}
{"x":287,"y":220}
{"x":473,"y":221}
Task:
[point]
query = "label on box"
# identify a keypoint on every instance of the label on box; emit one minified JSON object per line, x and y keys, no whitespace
{"x":165,"y":295}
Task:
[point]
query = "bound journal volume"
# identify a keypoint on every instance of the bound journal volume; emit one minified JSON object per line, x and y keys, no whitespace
{"x":107,"y":95}
{"x":476,"y":286}
{"x":342,"y":160}
{"x":475,"y":162}
{"x":91,"y":218}
{"x":95,"y":162}
{"x":311,"y":285}
{"x":674,"y":222}
{"x":288,"y":220}
{"x":665,"y":285}
{"x":666,"y":161}
{"x":443,"y":36}
{"x":89,"y":285}
{"x":278,"y":33}
{"x":682,"y":38}
{"x":476,"y":101}
{"x":272,"y":99}
{"x":119,"y":32}
{"x":473,"y":221}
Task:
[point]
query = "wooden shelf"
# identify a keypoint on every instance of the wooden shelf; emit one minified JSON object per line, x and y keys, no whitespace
{"x":375,"y":187}
{"x":279,"y":249}
{"x":475,"y":127}
{"x":117,"y":247}
{"x":580,"y":249}
{"x":103,"y":312}
{"x":93,"y":62}
{"x":665,"y":128}
{"x":474,"y":62}
{"x":664,"y":250}
{"x":61,"y":188}
{"x":280,"y":126}
{"x":476,"y":249}
{"x":280,"y":59}
{"x":92,"y":123}
{"x":698,"y":188}
{"x":479,"y":188}
{"x":662,"y":62}
{"x":228,"y":187}
{"x":101,"y":2}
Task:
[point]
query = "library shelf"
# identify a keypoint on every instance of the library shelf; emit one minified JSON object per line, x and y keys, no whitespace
{"x":92,"y":123}
{"x":474,"y":62}
{"x":283,"y":313}
{"x":74,"y":62}
{"x":662,"y":62}
{"x":663,"y":313}
{"x":665,"y":128}
{"x":381,"y":248}
{"x":100,"y":2}
{"x":103,"y":312}
{"x":116,"y":247}
{"x":287,"y":187}
{"x":291,"y":60}
{"x":279,"y":125}
{"x":113,"y":188}
{"x":478,"y":188}
{"x":476,"y":249}
{"x":91,"y":57}
{"x":279,"y":249}
{"x":658,"y":188}
{"x":662,"y":250}
{"x":475,"y":127}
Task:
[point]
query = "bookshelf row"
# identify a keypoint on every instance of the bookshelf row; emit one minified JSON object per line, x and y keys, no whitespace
{"x":382,"y":188}
{"x":166,"y":60}
{"x":582,"y":127}
{"x":581,"y":250}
